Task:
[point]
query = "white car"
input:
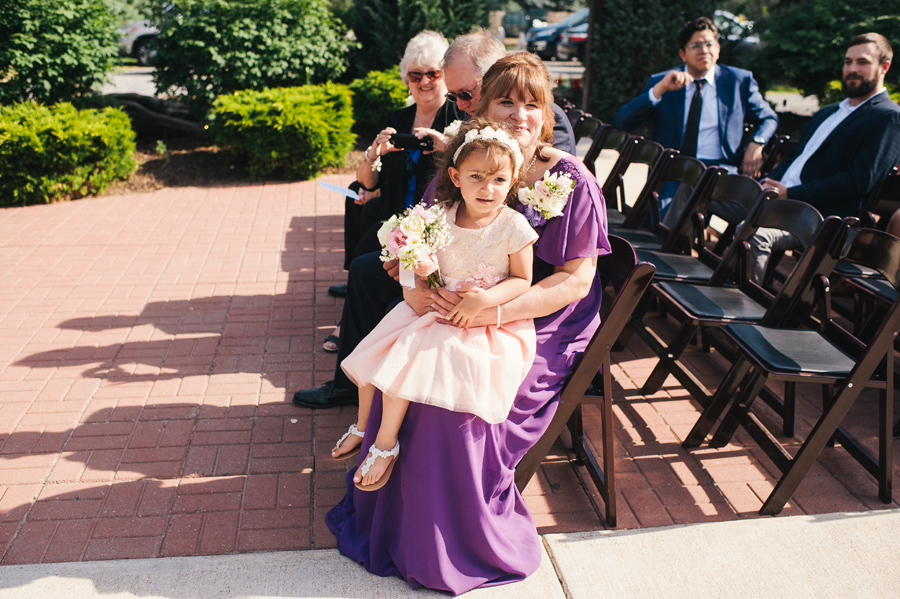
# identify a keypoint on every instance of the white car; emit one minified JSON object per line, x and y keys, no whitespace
{"x":135,"y":39}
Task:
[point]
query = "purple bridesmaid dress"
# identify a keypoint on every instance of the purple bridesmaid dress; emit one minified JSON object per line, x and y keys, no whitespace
{"x":450,"y":517}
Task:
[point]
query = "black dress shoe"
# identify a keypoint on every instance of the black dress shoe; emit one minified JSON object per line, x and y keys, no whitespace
{"x":337,"y":291}
{"x":326,"y":396}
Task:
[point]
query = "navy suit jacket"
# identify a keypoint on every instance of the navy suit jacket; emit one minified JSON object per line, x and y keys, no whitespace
{"x":856,"y":157}
{"x":739,"y":102}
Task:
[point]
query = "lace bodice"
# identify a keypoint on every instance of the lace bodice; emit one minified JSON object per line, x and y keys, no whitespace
{"x":481,"y":256}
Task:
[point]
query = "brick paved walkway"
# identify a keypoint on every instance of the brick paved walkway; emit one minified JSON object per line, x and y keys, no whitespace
{"x":149,"y":346}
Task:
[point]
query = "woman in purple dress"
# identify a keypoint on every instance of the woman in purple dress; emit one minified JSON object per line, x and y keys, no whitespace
{"x":450,"y":517}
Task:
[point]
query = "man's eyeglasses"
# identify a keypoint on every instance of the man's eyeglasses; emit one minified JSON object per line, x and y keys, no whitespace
{"x":465,"y":96}
{"x":700,"y":45}
{"x":416,"y":76}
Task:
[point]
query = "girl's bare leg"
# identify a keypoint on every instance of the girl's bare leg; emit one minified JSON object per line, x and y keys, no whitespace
{"x":366,"y":395}
{"x":392,"y":414}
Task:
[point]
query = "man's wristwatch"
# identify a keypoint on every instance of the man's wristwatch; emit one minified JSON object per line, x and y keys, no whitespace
{"x":759,"y":140}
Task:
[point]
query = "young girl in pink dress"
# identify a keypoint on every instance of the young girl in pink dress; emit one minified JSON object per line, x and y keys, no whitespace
{"x":413,"y":358}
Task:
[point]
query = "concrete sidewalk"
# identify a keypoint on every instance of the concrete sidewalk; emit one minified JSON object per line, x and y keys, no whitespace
{"x":816,"y":557}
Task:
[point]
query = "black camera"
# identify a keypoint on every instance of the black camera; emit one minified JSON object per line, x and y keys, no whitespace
{"x":408,"y":141}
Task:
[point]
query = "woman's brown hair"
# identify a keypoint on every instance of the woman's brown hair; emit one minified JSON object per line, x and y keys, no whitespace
{"x":524,"y":73}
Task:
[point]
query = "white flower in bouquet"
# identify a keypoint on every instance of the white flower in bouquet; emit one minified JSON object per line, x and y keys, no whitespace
{"x":414,"y":236}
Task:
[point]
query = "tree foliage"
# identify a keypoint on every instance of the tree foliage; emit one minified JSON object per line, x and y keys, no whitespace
{"x":632,"y":40}
{"x":206,"y":48}
{"x":384,"y":27}
{"x":805,"y":40}
{"x":54,"y":51}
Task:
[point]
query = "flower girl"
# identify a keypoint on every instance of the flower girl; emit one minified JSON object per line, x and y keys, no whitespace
{"x":488,"y":261}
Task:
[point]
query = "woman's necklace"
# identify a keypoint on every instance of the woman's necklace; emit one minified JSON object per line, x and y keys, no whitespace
{"x":531,"y":164}
{"x":423,"y":119}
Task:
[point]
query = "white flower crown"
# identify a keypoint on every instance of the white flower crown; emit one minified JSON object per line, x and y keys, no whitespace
{"x":487,"y":133}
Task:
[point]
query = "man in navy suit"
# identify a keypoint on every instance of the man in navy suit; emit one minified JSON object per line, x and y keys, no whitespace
{"x":847,"y":149}
{"x":729,"y":98}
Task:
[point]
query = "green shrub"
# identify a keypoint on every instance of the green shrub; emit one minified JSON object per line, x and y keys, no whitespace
{"x":54,"y":51}
{"x":48,"y":154}
{"x":207,"y":48}
{"x":295,"y":131}
{"x":375,"y":96}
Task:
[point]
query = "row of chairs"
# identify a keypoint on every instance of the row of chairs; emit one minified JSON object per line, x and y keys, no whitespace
{"x":710,"y":289}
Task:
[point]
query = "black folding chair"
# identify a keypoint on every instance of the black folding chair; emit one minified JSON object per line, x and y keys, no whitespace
{"x":591,"y":381}
{"x":637,"y":151}
{"x":671,"y":168}
{"x":607,"y":137}
{"x":718,"y":194}
{"x":831,"y":356}
{"x":702,"y":307}
{"x":586,"y":126}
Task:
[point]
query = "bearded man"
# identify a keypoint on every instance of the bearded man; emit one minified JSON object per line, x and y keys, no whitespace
{"x":845,"y":152}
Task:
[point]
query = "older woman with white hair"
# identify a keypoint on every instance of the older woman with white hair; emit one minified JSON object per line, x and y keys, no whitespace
{"x":401,"y":173}
{"x":392,"y":177}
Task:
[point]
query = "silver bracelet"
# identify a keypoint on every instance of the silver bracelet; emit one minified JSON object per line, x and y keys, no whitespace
{"x":375,"y":165}
{"x":499,"y":310}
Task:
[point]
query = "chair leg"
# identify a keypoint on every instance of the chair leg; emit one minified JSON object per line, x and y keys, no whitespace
{"x":751,"y":387}
{"x":885,"y":438}
{"x":720,"y":400}
{"x":667,"y":356}
{"x":809,"y":452}
{"x":827,"y":400}
{"x":790,"y":409}
{"x":609,"y":457}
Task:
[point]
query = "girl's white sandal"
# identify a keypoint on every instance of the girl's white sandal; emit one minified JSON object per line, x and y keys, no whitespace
{"x":378,"y":453}
{"x":355,"y":451}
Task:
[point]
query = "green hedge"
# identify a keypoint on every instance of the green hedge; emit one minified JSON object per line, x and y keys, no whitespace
{"x":375,"y":96}
{"x":48,"y":154}
{"x":294,"y":131}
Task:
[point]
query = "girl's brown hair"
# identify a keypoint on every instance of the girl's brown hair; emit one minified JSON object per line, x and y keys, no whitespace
{"x":447,"y":192}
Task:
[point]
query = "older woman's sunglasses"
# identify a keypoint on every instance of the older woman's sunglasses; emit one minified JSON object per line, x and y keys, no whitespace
{"x":416,"y":76}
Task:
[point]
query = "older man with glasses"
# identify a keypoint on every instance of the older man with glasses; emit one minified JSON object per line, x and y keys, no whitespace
{"x":465,"y":63}
{"x":700,"y":107}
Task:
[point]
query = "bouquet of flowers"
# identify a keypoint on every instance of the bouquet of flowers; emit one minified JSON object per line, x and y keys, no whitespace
{"x":412,"y":237}
{"x":547,"y":198}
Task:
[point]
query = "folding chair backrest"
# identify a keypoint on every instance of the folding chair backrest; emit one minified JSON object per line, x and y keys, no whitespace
{"x":733,"y":197}
{"x":606,"y":138}
{"x":575,"y":115}
{"x":797,"y":218}
{"x":880,"y":251}
{"x":797,"y":297}
{"x":671,"y":167}
{"x":874,"y":249}
{"x":678,"y":240}
{"x":637,"y":151}
{"x":882,"y":202}
{"x":629,"y":279}
{"x":586,"y":126}
{"x":774,"y":152}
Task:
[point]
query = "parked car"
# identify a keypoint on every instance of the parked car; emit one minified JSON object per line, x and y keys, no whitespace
{"x":543,"y":40}
{"x":135,"y":41}
{"x":572,"y":43}
{"x":737,"y":39}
